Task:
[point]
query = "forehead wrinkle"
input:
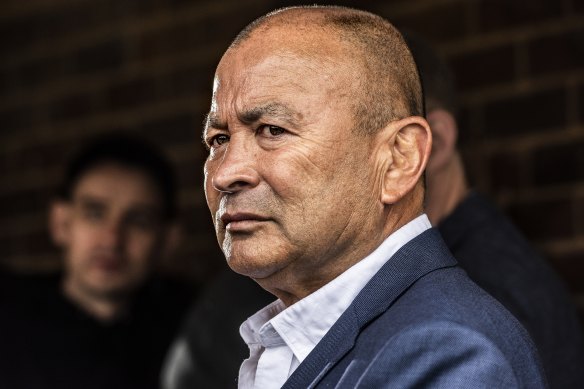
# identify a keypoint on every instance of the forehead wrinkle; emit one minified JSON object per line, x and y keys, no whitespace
{"x":252,"y":115}
{"x":274,"y":109}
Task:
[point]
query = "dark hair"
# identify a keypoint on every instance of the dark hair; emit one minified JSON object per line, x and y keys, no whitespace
{"x":127,"y":151}
{"x":438,"y":81}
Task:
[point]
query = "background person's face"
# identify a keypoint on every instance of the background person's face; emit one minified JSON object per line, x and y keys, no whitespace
{"x":289,"y":185}
{"x":113,"y":231}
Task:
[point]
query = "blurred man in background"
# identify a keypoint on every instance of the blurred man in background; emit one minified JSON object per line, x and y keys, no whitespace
{"x":105,"y":322}
{"x":485,"y":242}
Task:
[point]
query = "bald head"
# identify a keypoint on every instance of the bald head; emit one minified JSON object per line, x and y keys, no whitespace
{"x":384,"y":77}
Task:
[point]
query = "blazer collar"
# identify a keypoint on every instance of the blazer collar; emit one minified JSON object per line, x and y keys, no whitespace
{"x":420,"y":256}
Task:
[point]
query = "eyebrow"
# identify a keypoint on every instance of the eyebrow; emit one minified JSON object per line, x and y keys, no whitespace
{"x":249,"y":116}
{"x":89,"y":199}
{"x":85,"y":200}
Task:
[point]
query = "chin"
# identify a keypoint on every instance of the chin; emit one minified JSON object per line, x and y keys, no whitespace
{"x":113,"y":289}
{"x":250,"y":267}
{"x":256,"y":258}
{"x":254,"y":265}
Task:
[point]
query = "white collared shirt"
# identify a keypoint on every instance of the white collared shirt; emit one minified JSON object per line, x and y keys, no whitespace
{"x":280,"y":338}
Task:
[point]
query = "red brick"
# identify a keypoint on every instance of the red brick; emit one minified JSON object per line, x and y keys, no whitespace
{"x":501,"y":14}
{"x":16,"y":35}
{"x":44,"y":27}
{"x":172,"y":130}
{"x":581,"y":103}
{"x":28,"y":245}
{"x":39,"y":156}
{"x":25,"y":202}
{"x":39,"y":71}
{"x":149,"y":7}
{"x":505,"y":171}
{"x":9,"y":84}
{"x":484,"y":67}
{"x":544,"y":220}
{"x":19,"y":119}
{"x":520,"y":114}
{"x":133,"y":93}
{"x":186,"y":36}
{"x":439,"y":23}
{"x":72,"y":107}
{"x":559,"y":164}
{"x":106,"y":55}
{"x":99,"y":57}
{"x":557,"y":53}
{"x":192,"y":80}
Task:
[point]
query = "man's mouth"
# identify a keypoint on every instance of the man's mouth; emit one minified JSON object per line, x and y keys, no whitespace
{"x":108,"y":263}
{"x":241,"y":221}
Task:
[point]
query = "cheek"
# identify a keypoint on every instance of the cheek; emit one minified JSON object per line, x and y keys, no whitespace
{"x":81,"y":240}
{"x":79,"y":248}
{"x":142,"y":247}
{"x":297,"y":169}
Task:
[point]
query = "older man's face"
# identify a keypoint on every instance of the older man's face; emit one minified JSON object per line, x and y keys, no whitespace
{"x":288,"y":183}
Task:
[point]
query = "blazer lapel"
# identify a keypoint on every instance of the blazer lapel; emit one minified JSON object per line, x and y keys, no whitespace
{"x":420,"y":256}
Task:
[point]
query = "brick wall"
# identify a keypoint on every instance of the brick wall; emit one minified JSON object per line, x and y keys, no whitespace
{"x":72,"y":69}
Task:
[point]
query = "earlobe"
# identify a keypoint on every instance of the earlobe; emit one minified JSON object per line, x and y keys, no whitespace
{"x":59,"y":222}
{"x":410,"y":149}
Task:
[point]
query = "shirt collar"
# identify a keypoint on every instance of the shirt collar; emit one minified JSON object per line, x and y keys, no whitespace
{"x":302,"y":325}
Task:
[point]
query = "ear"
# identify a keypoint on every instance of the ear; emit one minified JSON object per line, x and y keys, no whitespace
{"x":172,"y":240}
{"x":445,"y":133}
{"x":59,"y":222}
{"x":407,"y":144}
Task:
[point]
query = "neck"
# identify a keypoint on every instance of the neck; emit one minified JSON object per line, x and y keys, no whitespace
{"x":446,"y":188}
{"x":103,"y":308}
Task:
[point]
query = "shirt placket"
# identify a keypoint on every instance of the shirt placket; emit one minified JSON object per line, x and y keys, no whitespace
{"x":274,"y":363}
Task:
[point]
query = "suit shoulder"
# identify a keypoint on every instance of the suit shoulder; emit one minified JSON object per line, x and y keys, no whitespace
{"x":444,"y":318}
{"x":445,"y":354}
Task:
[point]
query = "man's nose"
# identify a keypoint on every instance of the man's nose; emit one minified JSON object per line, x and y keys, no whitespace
{"x":237,"y":169}
{"x":113,"y":235}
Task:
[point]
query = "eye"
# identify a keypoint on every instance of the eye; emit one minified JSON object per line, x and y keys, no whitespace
{"x":93,"y":214}
{"x":142,"y":220}
{"x":270,"y":130}
{"x":218,"y":140}
{"x":91,"y":211}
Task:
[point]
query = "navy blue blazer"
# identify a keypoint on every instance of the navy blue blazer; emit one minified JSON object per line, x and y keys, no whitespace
{"x":420,"y":322}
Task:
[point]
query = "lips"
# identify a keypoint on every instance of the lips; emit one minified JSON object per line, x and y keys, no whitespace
{"x":108,"y":263}
{"x":240,"y":221}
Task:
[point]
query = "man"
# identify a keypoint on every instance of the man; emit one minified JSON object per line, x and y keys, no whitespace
{"x":105,"y":323}
{"x":491,"y":250}
{"x":315,"y":184}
